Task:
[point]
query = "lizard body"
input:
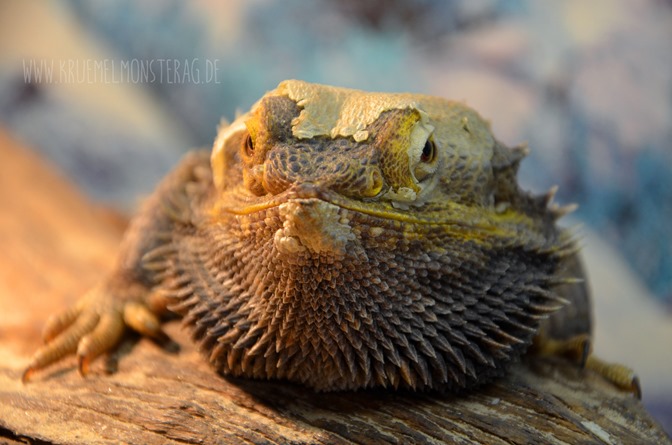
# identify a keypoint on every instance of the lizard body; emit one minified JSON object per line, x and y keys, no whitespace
{"x":343,"y":240}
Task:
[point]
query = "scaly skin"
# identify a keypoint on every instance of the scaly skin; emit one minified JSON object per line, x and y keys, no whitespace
{"x":344,"y":240}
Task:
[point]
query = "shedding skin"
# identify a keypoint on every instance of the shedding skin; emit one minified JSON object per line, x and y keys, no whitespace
{"x":343,"y":240}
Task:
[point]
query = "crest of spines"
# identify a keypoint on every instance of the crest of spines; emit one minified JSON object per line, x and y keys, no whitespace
{"x":543,"y":203}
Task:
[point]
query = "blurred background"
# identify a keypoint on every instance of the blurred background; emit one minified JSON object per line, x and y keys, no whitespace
{"x":113,"y":93}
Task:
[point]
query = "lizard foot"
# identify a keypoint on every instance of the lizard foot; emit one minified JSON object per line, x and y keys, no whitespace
{"x":94,"y":325}
{"x":579,"y":349}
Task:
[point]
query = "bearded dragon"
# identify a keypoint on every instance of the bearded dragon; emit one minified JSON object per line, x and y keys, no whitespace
{"x":343,"y":239}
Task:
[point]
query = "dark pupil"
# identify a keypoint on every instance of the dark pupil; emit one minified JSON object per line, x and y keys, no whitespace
{"x":249,"y":146}
{"x":427,"y":151}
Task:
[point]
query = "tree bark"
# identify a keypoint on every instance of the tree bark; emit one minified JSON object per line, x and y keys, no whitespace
{"x":55,"y":245}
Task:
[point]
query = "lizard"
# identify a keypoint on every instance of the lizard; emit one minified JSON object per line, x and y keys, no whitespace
{"x":342,"y":239}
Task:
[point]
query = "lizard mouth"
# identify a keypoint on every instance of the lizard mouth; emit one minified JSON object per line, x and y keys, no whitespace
{"x":452,"y":219}
{"x":305,"y":192}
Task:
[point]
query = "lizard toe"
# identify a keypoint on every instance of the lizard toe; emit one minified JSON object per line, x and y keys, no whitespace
{"x":143,"y":320}
{"x":62,"y":344}
{"x":620,"y":375}
{"x":102,"y":338}
{"x":58,"y":323}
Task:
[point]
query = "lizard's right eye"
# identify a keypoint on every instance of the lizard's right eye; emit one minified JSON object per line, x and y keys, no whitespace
{"x":248,"y":145}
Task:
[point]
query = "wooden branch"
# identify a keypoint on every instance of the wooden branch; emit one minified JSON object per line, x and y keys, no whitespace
{"x":56,"y":245}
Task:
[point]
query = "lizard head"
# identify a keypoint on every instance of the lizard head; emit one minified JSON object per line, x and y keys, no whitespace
{"x":370,"y":239}
{"x":408,"y":158}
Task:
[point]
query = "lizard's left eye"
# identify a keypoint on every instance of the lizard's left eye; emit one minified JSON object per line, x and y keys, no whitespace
{"x":426,"y":164}
{"x":428,"y":151}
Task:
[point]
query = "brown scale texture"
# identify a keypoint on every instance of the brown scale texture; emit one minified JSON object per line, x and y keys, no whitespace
{"x":348,"y":167}
{"x":388,"y":312}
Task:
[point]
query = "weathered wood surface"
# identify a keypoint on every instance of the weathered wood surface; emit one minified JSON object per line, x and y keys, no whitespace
{"x":55,"y":245}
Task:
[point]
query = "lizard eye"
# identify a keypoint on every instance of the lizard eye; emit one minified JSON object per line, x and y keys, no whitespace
{"x":428,"y":151}
{"x":426,"y":164}
{"x":248,"y":145}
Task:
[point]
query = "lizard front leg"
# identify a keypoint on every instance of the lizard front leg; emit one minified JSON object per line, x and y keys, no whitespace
{"x":129,"y":297}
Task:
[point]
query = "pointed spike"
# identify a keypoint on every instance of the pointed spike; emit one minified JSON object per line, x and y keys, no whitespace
{"x":508,"y":337}
{"x":550,"y":194}
{"x":411,"y":353}
{"x":545,"y":309}
{"x":161,"y":277}
{"x":550,"y":295}
{"x":427,"y":349}
{"x":377,"y":355}
{"x":233,"y":358}
{"x":394,"y":357}
{"x":219,"y":350}
{"x":246,"y":340}
{"x":183,"y":292}
{"x":349,"y":357}
{"x":294,"y":366}
{"x":283,"y":357}
{"x":440,"y":365}
{"x":423,"y":372}
{"x":545,"y":200}
{"x":521,"y":326}
{"x":231,"y":336}
{"x":392,"y":375}
{"x":558,"y":212}
{"x":476,"y":353}
{"x":471,"y":371}
{"x":455,"y":354}
{"x":158,"y":253}
{"x":520,"y":151}
{"x":262,"y":343}
{"x":406,"y":374}
{"x":494,"y":344}
{"x":558,"y":281}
